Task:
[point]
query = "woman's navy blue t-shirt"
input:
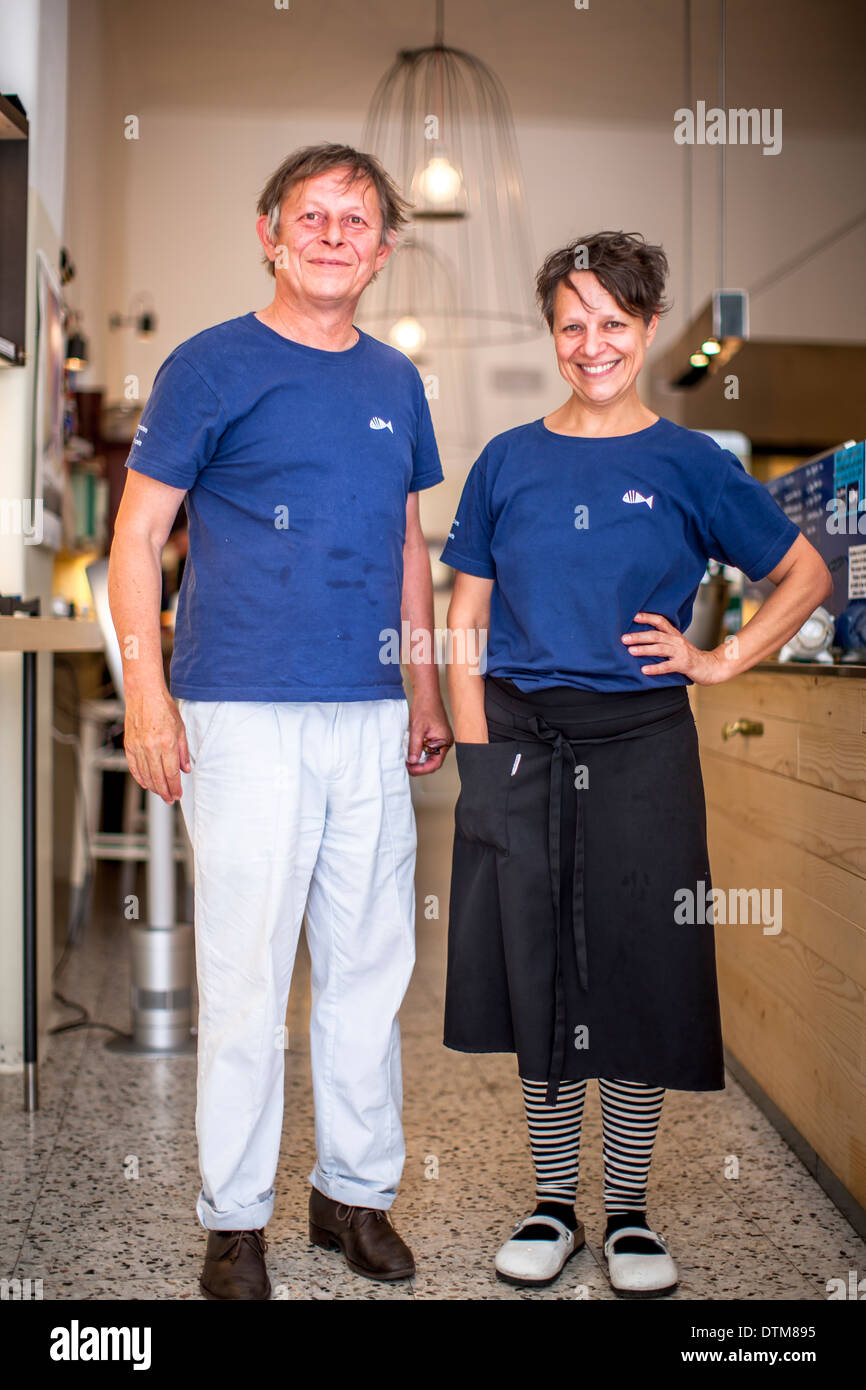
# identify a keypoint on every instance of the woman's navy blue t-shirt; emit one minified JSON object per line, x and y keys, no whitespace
{"x":581,"y":534}
{"x":297,"y":463}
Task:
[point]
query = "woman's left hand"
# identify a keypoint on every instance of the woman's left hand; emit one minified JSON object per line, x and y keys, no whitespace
{"x":704,"y":668}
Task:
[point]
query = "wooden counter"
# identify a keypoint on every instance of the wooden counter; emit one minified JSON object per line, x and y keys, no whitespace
{"x":49,"y":635}
{"x":30,"y":636}
{"x":787,"y":810}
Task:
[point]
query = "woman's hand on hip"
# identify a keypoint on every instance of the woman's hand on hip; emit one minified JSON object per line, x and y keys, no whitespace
{"x":676,"y":653}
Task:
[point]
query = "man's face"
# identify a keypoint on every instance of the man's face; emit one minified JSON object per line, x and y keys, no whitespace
{"x":330,"y":242}
{"x":600,"y":349}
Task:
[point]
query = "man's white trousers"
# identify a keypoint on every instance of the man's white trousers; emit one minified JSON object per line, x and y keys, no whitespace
{"x":296,"y":806}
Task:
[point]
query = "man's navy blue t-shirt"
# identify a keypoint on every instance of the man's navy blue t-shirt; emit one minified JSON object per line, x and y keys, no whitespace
{"x":581,"y":534}
{"x":297,"y":463}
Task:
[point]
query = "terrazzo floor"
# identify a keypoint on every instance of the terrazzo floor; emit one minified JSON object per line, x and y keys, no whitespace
{"x":98,"y":1186}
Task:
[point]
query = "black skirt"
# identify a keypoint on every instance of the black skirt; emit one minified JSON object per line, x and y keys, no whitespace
{"x":576,"y":826}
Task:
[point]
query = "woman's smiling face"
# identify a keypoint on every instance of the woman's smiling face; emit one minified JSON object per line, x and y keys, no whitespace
{"x":600,"y":348}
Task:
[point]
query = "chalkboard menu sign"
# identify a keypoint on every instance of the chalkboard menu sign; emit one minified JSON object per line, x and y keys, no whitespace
{"x":826,"y":498}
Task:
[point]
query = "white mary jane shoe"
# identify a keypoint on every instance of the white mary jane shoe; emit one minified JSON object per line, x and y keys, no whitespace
{"x":640,"y":1276}
{"x":538,"y":1262}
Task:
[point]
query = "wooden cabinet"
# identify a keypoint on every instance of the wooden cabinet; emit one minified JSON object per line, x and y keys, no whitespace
{"x":786,"y":810}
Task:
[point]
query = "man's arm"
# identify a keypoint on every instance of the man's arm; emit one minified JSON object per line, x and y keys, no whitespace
{"x":428,"y":723}
{"x":154,"y":735}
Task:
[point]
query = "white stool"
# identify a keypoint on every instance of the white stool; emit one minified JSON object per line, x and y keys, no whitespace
{"x":100,"y":719}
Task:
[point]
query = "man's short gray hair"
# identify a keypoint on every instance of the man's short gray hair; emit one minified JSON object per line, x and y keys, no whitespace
{"x":312,"y":160}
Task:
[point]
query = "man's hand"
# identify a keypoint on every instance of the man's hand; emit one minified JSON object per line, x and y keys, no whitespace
{"x":430,"y":733}
{"x":154,"y":739}
{"x":704,"y":668}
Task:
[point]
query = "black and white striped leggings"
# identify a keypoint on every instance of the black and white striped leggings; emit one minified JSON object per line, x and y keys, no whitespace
{"x":630,"y":1118}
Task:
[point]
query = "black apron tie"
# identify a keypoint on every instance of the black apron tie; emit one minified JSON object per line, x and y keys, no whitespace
{"x":560,"y":743}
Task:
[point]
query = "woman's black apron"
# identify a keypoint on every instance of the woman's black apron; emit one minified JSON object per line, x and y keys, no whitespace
{"x":576,"y":828}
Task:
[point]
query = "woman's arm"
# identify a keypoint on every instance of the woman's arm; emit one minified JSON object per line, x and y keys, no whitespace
{"x":802,"y":582}
{"x":468,"y":622}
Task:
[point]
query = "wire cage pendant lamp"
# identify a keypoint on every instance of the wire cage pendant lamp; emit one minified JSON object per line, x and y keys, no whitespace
{"x":441,"y":124}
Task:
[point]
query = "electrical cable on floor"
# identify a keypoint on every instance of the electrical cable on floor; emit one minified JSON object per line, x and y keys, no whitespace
{"x":89,"y":1023}
{"x":85,"y":1021}
{"x":70,"y":1004}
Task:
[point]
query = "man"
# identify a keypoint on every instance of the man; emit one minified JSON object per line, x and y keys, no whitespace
{"x":300,"y":445}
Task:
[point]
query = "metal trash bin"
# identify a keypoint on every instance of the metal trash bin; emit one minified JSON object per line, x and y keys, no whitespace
{"x":162,"y":966}
{"x":162,"y":956}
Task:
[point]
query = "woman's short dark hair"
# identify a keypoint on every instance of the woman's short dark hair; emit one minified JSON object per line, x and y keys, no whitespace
{"x":632,"y":271}
{"x":312,"y":160}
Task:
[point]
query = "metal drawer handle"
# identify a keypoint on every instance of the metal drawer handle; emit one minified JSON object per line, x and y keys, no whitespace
{"x":748,"y":727}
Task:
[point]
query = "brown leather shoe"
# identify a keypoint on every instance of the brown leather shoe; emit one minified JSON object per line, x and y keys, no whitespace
{"x":364,"y":1234}
{"x":234,"y":1265}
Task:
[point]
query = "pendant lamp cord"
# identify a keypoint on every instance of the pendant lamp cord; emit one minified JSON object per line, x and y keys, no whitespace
{"x":687,"y":172}
{"x":722,"y":147}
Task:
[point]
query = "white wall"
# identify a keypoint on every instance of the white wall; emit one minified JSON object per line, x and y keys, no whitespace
{"x":33,"y":65}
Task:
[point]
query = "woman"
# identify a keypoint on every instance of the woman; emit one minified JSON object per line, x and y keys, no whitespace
{"x":579,"y":545}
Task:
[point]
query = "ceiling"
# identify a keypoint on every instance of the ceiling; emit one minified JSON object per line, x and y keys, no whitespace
{"x":616,"y":61}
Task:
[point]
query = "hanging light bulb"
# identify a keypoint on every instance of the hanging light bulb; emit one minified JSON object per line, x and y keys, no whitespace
{"x":76,"y":345}
{"x":439,"y":183}
{"x":441,"y":124}
{"x":408,"y":335}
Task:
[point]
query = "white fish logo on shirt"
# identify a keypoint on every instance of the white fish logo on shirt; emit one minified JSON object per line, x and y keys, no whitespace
{"x":632,"y":496}
{"x":377,"y":424}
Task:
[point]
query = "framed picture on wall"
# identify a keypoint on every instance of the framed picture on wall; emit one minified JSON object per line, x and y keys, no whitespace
{"x":46,"y":495}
